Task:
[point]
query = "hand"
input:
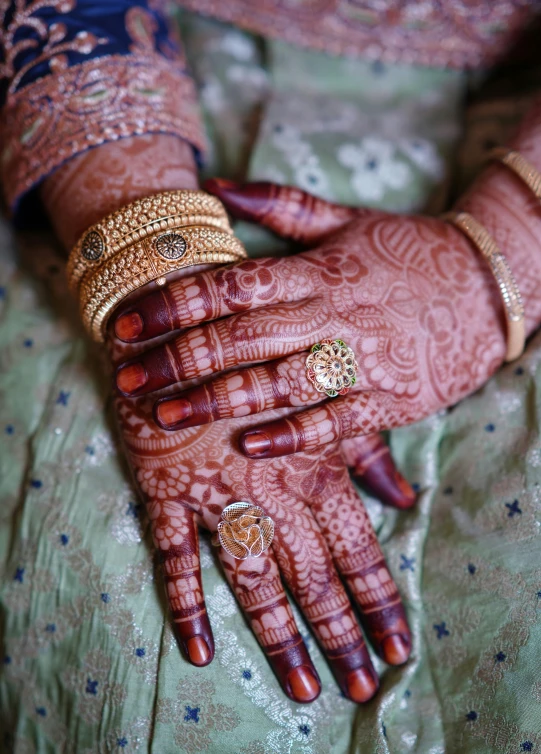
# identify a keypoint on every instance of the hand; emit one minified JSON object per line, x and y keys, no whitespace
{"x":321,"y":530}
{"x":415,"y":302}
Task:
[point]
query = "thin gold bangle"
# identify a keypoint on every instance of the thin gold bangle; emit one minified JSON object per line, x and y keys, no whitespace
{"x":510,"y":293}
{"x":520,"y":166}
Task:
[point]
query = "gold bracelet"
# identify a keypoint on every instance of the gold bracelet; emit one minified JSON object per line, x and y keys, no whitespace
{"x":512,"y":300}
{"x":144,"y":241}
{"x":520,"y":166}
{"x":150,"y":259}
{"x":166,"y":211}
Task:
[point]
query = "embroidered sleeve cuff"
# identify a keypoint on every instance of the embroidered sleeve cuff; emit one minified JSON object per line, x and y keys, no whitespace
{"x":63,"y":114}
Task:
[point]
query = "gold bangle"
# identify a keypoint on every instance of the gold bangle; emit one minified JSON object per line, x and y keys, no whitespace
{"x":144,"y":217}
{"x":150,"y":259}
{"x":520,"y":166}
{"x":512,"y":300}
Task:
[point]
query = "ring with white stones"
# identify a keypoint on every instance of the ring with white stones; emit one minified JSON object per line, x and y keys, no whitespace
{"x":331,"y":367}
{"x":244,"y":531}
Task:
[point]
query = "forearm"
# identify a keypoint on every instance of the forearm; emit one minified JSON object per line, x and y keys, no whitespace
{"x":512,"y":215}
{"x":93,"y":184}
{"x":103,"y":112}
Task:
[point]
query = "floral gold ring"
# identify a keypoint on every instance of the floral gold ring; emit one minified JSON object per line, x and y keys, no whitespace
{"x":244,"y":531}
{"x":331,"y":367}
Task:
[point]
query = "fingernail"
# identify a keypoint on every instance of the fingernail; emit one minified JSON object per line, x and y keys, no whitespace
{"x":361,"y":685}
{"x":131,"y":377}
{"x":129,"y":326}
{"x":198,"y":651}
{"x":256,"y":443}
{"x":172,"y":412}
{"x":303,"y":684}
{"x":389,"y":486}
{"x":395,"y":649}
{"x":409,"y":494}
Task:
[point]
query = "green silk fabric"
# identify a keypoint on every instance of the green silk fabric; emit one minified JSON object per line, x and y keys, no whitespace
{"x":89,"y":661}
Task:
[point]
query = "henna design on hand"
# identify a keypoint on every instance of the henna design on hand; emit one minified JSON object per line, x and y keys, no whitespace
{"x":190,"y":476}
{"x":402,"y":292}
{"x":90,"y":186}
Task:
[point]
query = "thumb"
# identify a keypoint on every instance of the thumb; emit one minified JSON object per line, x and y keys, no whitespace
{"x":286,"y":210}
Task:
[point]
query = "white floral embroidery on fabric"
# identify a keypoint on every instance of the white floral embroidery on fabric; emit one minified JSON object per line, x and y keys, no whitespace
{"x":238,"y":46}
{"x":425,"y":156}
{"x":299,"y":154}
{"x":375,"y":167}
{"x":251,"y":76}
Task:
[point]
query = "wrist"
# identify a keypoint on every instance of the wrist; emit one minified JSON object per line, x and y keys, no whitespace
{"x":505,"y":205}
{"x":96,"y":183}
{"x":510,"y":213}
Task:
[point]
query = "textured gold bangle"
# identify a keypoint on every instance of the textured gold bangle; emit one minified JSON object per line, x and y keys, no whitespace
{"x":520,"y":166}
{"x":150,"y":259}
{"x":145,"y":217}
{"x":512,"y":300}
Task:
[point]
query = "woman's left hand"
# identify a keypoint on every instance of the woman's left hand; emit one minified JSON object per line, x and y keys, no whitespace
{"x":410,"y":296}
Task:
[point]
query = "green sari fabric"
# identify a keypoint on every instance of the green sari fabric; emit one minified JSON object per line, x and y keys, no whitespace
{"x":89,"y":662}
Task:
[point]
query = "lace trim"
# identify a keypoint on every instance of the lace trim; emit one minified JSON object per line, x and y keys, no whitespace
{"x":104,"y":99}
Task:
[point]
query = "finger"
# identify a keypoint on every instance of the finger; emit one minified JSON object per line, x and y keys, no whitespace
{"x":257,"y":586}
{"x":175,"y":535}
{"x":372,"y":465}
{"x":307,"y":568}
{"x":339,"y":418}
{"x":277,"y":384}
{"x":350,"y":536}
{"x":288,"y":211}
{"x":241,"y":339}
{"x":213,"y":294}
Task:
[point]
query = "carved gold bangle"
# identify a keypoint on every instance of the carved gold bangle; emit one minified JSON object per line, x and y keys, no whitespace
{"x":520,"y":166}
{"x":512,"y":300}
{"x":150,"y":259}
{"x":144,"y":217}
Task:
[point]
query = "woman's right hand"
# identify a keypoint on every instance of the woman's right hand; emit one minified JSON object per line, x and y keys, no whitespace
{"x":322,"y":532}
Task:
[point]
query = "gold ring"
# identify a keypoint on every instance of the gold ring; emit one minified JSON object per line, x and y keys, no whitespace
{"x":244,"y":531}
{"x":331,"y":367}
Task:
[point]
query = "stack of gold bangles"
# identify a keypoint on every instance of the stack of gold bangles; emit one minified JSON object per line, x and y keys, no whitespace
{"x":510,"y":293}
{"x":144,"y":241}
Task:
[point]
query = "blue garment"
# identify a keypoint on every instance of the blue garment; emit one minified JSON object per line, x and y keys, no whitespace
{"x":105,"y":20}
